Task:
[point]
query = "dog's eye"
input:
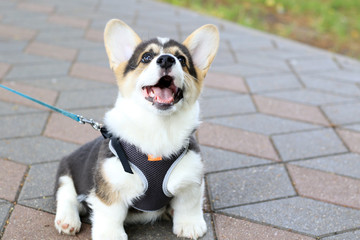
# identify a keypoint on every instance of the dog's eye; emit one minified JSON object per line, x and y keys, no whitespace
{"x":182,"y":60}
{"x":147,"y":57}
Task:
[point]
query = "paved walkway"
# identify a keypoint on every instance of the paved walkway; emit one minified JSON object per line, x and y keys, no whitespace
{"x":280,"y":138}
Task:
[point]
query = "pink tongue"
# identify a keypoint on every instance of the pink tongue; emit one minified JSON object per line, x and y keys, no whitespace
{"x":163,"y":95}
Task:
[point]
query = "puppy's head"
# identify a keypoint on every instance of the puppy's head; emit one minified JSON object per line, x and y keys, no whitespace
{"x":160,"y":74}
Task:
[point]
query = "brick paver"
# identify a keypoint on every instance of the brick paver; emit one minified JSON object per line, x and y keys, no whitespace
{"x":326,"y":186}
{"x":290,"y":110}
{"x":11,"y":177}
{"x":16,"y":33}
{"x":41,"y":94}
{"x":237,"y":140}
{"x":4,"y":67}
{"x":51,"y":51}
{"x":229,"y":228}
{"x":280,"y":138}
{"x":69,"y":21}
{"x":91,"y":72}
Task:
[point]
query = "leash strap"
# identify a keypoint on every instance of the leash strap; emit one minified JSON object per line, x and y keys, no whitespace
{"x":115,"y":146}
{"x":73,"y":116}
{"x":115,"y":143}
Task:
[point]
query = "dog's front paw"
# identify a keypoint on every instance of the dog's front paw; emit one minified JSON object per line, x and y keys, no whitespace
{"x":191,"y":228}
{"x":68,"y":224}
{"x":109,"y":234}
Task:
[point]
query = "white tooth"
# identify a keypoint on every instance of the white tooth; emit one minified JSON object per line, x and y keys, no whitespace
{"x":151,"y":94}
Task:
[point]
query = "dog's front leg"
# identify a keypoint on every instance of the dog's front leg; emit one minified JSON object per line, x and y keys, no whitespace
{"x":108,"y":220}
{"x":188,"y":215}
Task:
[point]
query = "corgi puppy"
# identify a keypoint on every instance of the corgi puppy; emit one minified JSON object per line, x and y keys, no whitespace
{"x":149,"y":164}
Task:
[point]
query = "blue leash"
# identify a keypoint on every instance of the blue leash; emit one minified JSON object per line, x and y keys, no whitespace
{"x":78,"y":118}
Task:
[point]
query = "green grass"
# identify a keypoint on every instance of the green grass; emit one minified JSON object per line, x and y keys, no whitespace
{"x":329,"y":24}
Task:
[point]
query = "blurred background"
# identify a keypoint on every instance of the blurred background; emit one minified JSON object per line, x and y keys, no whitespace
{"x":329,"y":24}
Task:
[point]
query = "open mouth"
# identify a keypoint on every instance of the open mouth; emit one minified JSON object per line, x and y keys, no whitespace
{"x":164,"y":93}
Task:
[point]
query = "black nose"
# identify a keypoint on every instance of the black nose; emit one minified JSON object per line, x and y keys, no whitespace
{"x":165,"y":61}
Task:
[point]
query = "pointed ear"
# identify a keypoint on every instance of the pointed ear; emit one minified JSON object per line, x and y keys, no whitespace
{"x":120,"y":42}
{"x":203,"y":44}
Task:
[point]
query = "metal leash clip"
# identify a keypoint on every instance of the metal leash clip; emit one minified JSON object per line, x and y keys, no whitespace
{"x":95,"y":125}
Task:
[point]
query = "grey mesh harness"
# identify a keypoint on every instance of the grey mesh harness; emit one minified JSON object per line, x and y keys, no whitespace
{"x":154,"y":174}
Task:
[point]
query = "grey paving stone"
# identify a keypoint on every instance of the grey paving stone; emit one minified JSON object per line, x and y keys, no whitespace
{"x":148,"y":31}
{"x":308,"y":96}
{"x":4,"y":211}
{"x":301,"y":214}
{"x":343,"y":113}
{"x":100,"y":22}
{"x":229,"y":105}
{"x":347,"y":164}
{"x":5,"y":6}
{"x":12,"y":109}
{"x":79,"y":43}
{"x":313,"y":64}
{"x":13,"y":46}
{"x":219,"y":160}
{"x":250,"y":42}
{"x":340,"y":75}
{"x":349,"y":63}
{"x":209,"y":92}
{"x":89,"y":98}
{"x":290,"y":45}
{"x":95,"y":113}
{"x":280,"y":53}
{"x":264,"y":124}
{"x":308,"y":144}
{"x":40,"y":181}
{"x":262,"y":61}
{"x":24,"y":18}
{"x":273,"y":83}
{"x":91,"y":55}
{"x":355,"y":235}
{"x":163,"y":230}
{"x":39,"y":70}
{"x":30,"y":150}
{"x":244,"y":186}
{"x":47,"y":204}
{"x":246,"y":70}
{"x":337,"y":87}
{"x":28,"y":125}
{"x":65,"y":83}
{"x":59,"y":32}
{"x":23,"y":58}
{"x":37,"y":24}
{"x":354,"y":127}
{"x":223,"y":57}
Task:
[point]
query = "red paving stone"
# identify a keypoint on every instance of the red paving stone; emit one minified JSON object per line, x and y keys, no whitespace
{"x":33,"y":7}
{"x":16,"y":33}
{"x":11,"y":175}
{"x":4,"y":68}
{"x":87,"y":71}
{"x":27,"y":223}
{"x":290,"y":110}
{"x":237,"y":140}
{"x":351,"y":139}
{"x":66,"y":129}
{"x":228,"y":228}
{"x":44,"y":95}
{"x":47,"y":50}
{"x":69,"y":21}
{"x":95,"y":35}
{"x":326,"y":187}
{"x":226,"y":82}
